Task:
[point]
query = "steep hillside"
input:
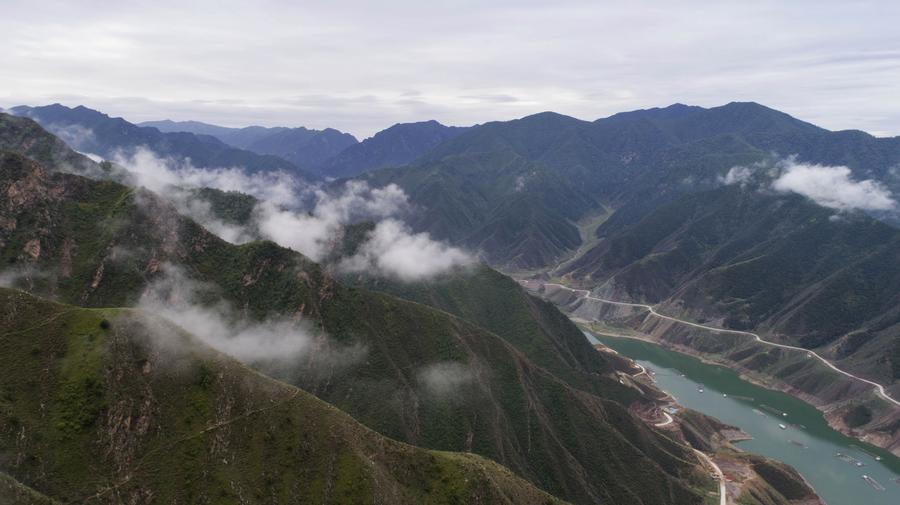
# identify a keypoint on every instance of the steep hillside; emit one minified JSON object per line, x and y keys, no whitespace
{"x":91,"y":131}
{"x":116,"y":406}
{"x":23,"y":136}
{"x":779,"y":264}
{"x":396,"y":146}
{"x":498,"y":304}
{"x":410,"y":372}
{"x":487,"y":187}
{"x":515,"y":212}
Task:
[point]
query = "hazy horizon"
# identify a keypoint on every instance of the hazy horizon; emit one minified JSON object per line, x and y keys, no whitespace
{"x":360,"y":67}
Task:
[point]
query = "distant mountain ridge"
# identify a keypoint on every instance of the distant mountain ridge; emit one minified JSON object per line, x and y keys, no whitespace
{"x":398,"y":145}
{"x":306,"y":148}
{"x":90,"y":131}
{"x":328,"y":152}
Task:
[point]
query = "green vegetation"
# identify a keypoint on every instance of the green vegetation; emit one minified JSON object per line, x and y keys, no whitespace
{"x":102,"y":244}
{"x":158,"y":429}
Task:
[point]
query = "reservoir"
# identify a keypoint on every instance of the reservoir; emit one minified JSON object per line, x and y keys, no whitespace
{"x":832,"y":463}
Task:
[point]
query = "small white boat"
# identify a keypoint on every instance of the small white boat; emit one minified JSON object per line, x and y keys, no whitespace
{"x":783,"y":427}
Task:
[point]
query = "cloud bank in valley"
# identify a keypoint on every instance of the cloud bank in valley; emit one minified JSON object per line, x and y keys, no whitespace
{"x":304,"y":218}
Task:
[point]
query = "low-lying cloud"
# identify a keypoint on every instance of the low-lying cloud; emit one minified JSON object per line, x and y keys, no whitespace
{"x":834,"y":187}
{"x":161,"y":175}
{"x":274,"y":343}
{"x":445,"y":379}
{"x":827,"y":185}
{"x":315,"y":233}
{"x":393,"y":251}
{"x":302,"y":217}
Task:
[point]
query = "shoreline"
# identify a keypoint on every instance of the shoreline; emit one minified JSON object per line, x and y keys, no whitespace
{"x":772,"y":383}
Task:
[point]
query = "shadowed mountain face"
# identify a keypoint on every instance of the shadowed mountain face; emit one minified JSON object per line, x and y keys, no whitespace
{"x":467,"y":381}
{"x":396,"y":146}
{"x":89,"y":131}
{"x":781,"y":265}
{"x":640,"y":199}
{"x":569,"y":170}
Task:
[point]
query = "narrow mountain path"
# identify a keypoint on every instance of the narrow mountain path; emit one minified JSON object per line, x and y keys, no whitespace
{"x":587,"y":295}
{"x":723,"y":497}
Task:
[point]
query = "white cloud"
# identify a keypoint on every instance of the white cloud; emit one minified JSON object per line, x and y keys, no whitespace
{"x":445,"y":379}
{"x":833,"y":187}
{"x":738,"y":175}
{"x":391,"y":250}
{"x":278,"y":343}
{"x":394,"y":251}
{"x":160,"y":175}
{"x":314,"y":234}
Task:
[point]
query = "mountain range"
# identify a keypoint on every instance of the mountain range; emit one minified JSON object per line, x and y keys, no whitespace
{"x":307,"y":149}
{"x":564,"y":425}
{"x":683,"y":207}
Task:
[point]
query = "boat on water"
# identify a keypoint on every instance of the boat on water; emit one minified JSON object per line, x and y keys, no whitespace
{"x":783,"y":427}
{"x":872,"y":482}
{"x":758,"y":412}
{"x":799,"y":444}
{"x":700,"y":388}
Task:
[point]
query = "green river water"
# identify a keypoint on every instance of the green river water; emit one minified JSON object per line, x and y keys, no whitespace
{"x":808,"y":444}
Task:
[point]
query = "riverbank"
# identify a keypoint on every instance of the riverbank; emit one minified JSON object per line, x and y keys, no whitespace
{"x":824,"y":457}
{"x":741,"y":477}
{"x":850,"y":406}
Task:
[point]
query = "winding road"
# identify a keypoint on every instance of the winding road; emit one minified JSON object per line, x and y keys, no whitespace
{"x":667,"y":422}
{"x":587,"y":295}
{"x":719,"y":476}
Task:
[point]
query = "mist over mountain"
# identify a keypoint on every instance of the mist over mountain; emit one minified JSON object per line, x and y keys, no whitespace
{"x":90,"y":131}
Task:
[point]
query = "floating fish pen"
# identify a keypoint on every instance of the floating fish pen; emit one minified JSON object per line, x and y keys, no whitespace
{"x":869,"y":453}
{"x":849,"y":459}
{"x":772,"y":410}
{"x":872,"y":482}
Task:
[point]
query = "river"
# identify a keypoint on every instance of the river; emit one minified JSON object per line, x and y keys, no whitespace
{"x":808,"y":444}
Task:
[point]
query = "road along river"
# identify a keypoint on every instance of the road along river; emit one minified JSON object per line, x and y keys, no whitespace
{"x":831,"y":462}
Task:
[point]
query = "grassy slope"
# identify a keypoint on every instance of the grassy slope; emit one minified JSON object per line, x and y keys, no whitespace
{"x":498,"y":304}
{"x":141,"y":412}
{"x":98,"y":248}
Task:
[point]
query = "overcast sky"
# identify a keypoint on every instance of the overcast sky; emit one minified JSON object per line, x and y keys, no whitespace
{"x":362,"y":66}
